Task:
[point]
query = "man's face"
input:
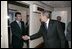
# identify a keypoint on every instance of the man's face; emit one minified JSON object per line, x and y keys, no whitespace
{"x":43,"y":18}
{"x":19,"y":17}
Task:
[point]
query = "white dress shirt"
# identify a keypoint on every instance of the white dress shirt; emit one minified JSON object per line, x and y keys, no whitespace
{"x":19,"y":23}
{"x":47,"y":23}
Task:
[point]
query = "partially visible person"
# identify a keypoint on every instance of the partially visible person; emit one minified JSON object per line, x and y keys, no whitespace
{"x":68,"y":35}
{"x":27,"y":29}
{"x":63,"y":27}
{"x":27,"y":25}
{"x":62,"y":23}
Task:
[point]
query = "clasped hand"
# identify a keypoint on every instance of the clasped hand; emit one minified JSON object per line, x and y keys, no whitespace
{"x":25,"y":37}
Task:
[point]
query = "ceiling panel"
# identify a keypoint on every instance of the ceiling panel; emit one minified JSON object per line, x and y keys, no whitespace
{"x":58,"y":3}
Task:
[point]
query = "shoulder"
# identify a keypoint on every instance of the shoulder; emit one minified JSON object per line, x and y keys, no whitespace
{"x":62,"y":23}
{"x":56,"y":22}
{"x":13,"y":22}
{"x":69,"y":24}
{"x":22,"y":22}
{"x":53,"y":21}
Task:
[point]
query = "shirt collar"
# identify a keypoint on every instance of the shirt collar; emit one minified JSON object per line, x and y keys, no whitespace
{"x":17,"y":21}
{"x":47,"y":21}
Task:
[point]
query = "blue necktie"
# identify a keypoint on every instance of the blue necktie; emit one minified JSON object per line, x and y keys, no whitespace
{"x":46,"y":26}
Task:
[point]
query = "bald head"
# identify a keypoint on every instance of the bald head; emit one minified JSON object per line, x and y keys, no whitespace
{"x":59,"y":18}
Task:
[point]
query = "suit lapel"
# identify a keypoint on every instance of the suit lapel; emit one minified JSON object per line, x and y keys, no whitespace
{"x":49,"y":26}
{"x":17,"y":25}
{"x":21,"y":26}
{"x":45,"y":26}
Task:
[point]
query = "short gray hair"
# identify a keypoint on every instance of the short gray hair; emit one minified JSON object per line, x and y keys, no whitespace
{"x":46,"y":14}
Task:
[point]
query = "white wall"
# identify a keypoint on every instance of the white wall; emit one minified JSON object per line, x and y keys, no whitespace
{"x":65,"y":13}
{"x":4,"y":31}
{"x":69,"y":15}
{"x":68,"y":9}
{"x":24,"y":11}
{"x":35,"y":25}
{"x":34,"y":21}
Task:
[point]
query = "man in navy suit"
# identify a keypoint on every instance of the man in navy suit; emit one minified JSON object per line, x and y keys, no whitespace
{"x":18,"y":31}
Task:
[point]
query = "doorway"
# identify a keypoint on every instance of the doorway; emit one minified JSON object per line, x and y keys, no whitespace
{"x":14,"y":7}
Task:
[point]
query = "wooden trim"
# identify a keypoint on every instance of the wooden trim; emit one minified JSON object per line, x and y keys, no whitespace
{"x":18,"y":4}
{"x":40,"y":9}
{"x":12,"y":9}
{"x":41,"y":45}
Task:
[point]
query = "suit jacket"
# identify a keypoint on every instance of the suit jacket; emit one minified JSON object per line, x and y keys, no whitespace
{"x":27,"y":28}
{"x":63,"y":26}
{"x":53,"y":36}
{"x":68,"y":36}
{"x":17,"y":33}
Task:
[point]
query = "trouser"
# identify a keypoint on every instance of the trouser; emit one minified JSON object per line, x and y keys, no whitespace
{"x":69,"y":42}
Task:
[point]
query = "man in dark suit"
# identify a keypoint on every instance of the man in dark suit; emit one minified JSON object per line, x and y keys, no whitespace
{"x":18,"y":31}
{"x":51,"y":31}
{"x":63,"y":27}
{"x":27,"y":29}
{"x":62,"y":23}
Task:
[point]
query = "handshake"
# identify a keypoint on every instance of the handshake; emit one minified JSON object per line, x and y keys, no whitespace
{"x":25,"y":37}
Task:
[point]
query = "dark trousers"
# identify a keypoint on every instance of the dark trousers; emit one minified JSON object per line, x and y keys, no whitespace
{"x":66,"y":44}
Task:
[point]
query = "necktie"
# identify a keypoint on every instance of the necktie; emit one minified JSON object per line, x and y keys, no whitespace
{"x":19,"y":23}
{"x":46,"y":26}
